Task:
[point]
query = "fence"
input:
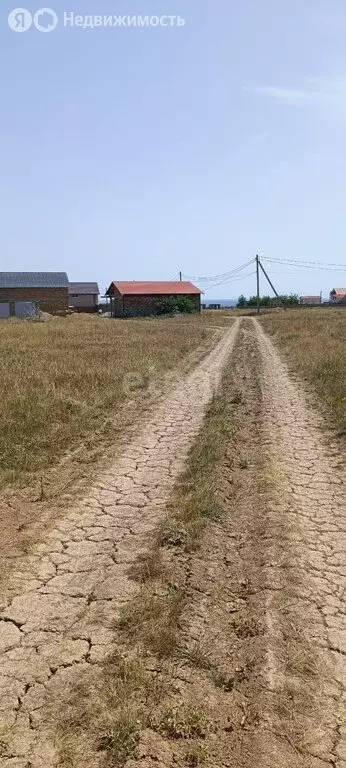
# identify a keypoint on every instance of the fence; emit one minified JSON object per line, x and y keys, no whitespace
{"x":20,"y":309}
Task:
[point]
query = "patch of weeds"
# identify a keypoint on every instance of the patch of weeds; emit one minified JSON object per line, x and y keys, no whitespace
{"x":120,"y":738}
{"x":125,"y":673}
{"x":108,"y":710}
{"x":66,"y":749}
{"x":190,"y":513}
{"x":153,"y":620}
{"x":195,"y":755}
{"x":228,"y":681}
{"x":182,"y":723}
{"x":208,"y":507}
{"x":199,"y":655}
{"x":246,"y":627}
{"x":184,"y":531}
{"x":300,"y":662}
{"x":194,"y":502}
{"x":172,"y":533}
{"x":194,"y":533}
{"x":148,"y":566}
{"x":224,"y":681}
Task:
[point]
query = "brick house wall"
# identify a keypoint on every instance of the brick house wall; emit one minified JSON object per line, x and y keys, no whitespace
{"x":143,"y":305}
{"x":117,"y":306}
{"x":83,"y":302}
{"x":49,"y":299}
{"x":310,"y":300}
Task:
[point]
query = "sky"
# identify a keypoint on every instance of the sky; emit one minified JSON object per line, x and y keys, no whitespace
{"x":133,"y":153}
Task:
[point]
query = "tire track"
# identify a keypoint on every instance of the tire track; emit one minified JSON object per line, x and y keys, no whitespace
{"x":63,"y":598}
{"x":305,"y":575}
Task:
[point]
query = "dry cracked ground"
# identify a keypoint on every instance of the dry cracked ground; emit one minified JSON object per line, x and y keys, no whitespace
{"x":266,"y":588}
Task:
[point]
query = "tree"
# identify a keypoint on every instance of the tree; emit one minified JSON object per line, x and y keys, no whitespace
{"x":269,"y":301}
{"x":241,"y":302}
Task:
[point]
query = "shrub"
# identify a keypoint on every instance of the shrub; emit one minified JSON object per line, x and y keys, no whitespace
{"x":169,"y":305}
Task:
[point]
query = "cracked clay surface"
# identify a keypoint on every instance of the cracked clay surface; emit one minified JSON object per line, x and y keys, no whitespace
{"x":62,"y":599}
{"x":306,"y":573}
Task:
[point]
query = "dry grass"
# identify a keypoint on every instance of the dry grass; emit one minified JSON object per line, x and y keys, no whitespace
{"x":199,"y":654}
{"x":194,"y":501}
{"x":182,"y":722}
{"x":196,"y":754}
{"x":109,"y":709}
{"x":149,"y":566}
{"x":153,"y":620}
{"x":315,"y":343}
{"x":64,"y":379}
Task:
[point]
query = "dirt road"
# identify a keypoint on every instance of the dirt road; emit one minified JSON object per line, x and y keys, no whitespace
{"x":306,"y":565}
{"x":266,"y":619}
{"x":267,"y":587}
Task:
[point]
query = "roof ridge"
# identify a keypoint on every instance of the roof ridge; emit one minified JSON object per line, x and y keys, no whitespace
{"x":38,"y":279}
{"x":157,"y":287}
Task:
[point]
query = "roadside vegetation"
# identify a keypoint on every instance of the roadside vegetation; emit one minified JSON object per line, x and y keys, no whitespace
{"x":291,"y":300}
{"x":314,"y":342}
{"x":172,"y":304}
{"x":134,"y":698}
{"x":65,"y":379}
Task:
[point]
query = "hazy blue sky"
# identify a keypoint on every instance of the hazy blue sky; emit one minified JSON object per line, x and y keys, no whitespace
{"x":133,"y":153}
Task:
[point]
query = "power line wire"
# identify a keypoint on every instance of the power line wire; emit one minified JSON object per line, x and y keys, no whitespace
{"x":303,"y":261}
{"x":307,"y":264}
{"x":233,"y":280}
{"x":222,"y":276}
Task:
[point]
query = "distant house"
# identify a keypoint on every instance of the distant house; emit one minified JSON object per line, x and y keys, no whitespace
{"x":338,"y":296}
{"x":310,"y":300}
{"x":20,"y":291}
{"x":136,"y":299}
{"x":83,"y":297}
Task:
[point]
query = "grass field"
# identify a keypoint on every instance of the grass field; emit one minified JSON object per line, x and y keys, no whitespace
{"x":62,"y":379}
{"x":314,"y":341}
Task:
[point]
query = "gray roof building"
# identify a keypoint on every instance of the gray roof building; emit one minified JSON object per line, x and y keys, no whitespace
{"x":47,"y":290}
{"x":83,"y":297}
{"x":85,"y":289}
{"x":33,"y":280}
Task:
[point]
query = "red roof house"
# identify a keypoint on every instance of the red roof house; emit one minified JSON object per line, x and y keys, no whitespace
{"x":338,"y":296}
{"x":137,"y":298}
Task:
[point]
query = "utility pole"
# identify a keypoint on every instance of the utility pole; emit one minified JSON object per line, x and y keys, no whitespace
{"x":180,"y":276}
{"x":270,"y":282}
{"x":258,"y":284}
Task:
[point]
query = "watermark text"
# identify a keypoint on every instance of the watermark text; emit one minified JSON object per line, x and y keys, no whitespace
{"x":46,"y":20}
